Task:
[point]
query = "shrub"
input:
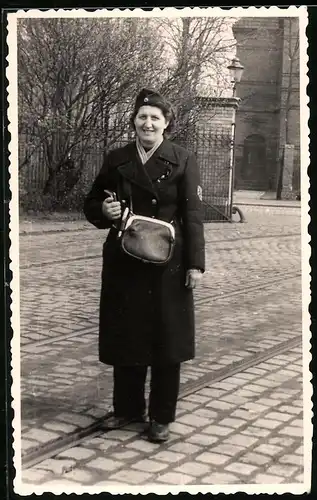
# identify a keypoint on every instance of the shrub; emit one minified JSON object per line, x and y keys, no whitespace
{"x":73,"y":201}
{"x":35,"y":201}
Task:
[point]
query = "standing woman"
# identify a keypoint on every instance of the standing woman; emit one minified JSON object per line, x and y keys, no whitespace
{"x":146,"y":310}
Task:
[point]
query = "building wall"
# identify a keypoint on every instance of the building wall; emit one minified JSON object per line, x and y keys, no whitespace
{"x":290,"y":97}
{"x":216,"y":114}
{"x":263,"y":46}
{"x":289,"y":91}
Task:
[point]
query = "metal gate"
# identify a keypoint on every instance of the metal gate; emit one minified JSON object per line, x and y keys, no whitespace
{"x":214,"y":153}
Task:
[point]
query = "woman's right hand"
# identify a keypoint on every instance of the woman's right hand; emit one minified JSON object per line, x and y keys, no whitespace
{"x":111,"y":208}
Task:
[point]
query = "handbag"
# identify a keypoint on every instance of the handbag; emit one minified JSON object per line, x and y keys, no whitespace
{"x":147,"y":239}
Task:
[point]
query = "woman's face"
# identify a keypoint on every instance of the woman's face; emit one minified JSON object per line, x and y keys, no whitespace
{"x":150,"y":124}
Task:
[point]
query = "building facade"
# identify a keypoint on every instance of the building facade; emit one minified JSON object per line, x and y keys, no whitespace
{"x":269,"y":113}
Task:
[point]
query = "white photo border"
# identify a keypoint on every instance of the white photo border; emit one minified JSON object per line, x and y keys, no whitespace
{"x":11,"y":74}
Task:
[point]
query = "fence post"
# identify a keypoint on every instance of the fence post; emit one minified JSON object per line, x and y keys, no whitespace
{"x":232,"y":160}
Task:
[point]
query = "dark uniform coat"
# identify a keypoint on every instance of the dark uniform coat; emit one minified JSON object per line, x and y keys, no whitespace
{"x":146,"y":312}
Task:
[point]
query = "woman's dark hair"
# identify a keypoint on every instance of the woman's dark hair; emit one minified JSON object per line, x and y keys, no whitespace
{"x":151,"y":98}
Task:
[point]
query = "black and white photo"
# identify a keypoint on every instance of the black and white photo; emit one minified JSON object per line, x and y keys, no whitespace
{"x":160,"y":250}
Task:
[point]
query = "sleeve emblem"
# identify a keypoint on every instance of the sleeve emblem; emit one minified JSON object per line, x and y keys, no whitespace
{"x":200,"y":192}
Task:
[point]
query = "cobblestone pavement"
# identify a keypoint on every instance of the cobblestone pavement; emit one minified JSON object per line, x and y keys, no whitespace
{"x":247,"y":429}
{"x":250,"y":301}
{"x":64,"y":295}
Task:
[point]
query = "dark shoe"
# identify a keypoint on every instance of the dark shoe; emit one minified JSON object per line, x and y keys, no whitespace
{"x":158,"y":433}
{"x":114,"y":422}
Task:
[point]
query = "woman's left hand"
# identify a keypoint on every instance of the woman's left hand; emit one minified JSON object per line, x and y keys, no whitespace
{"x":193,"y":278}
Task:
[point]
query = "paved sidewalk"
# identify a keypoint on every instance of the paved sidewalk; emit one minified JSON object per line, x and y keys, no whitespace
{"x":262,"y":198}
{"x":77,"y":222}
{"x":279,"y":204}
{"x":28,"y":226}
{"x":246,"y":429}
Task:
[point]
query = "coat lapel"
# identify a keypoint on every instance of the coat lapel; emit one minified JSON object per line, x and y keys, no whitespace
{"x":162,"y":162}
{"x":132,"y":169}
{"x":146,"y":176}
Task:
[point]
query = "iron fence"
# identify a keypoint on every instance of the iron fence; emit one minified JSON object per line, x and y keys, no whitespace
{"x":212,"y":149}
{"x":34,"y":174}
{"x":213,"y":153}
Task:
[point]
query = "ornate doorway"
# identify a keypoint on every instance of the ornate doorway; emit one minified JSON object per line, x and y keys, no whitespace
{"x":254,"y":163}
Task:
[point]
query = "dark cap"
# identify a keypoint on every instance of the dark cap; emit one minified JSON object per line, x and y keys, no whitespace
{"x":148,"y":97}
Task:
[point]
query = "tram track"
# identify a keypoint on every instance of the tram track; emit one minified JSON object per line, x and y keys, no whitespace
{"x":49,"y":450}
{"x":198,"y":301}
{"x":74,"y":438}
{"x":99,"y":254}
{"x":252,"y":288}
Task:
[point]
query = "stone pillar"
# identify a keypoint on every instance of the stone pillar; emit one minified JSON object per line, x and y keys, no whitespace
{"x":288,"y":169}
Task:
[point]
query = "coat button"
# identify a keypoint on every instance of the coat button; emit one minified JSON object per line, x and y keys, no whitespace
{"x":154,"y":201}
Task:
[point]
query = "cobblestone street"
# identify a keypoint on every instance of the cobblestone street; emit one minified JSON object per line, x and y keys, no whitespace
{"x":240,"y":414}
{"x":246,"y":429}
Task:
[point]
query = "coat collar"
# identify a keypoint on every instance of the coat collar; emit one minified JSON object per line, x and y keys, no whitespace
{"x":166,"y":152}
{"x":145,"y":176}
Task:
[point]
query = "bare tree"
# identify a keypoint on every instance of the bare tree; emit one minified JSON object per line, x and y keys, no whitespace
{"x":77,"y":78}
{"x":73,"y":76}
{"x":199,"y":50}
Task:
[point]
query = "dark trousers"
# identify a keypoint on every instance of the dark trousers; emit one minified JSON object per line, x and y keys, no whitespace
{"x":129,"y":391}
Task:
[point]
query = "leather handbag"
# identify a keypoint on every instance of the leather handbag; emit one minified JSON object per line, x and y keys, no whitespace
{"x":147,"y":239}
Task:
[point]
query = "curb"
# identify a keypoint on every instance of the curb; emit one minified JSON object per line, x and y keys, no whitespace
{"x":270,"y":205}
{"x":38,"y":232}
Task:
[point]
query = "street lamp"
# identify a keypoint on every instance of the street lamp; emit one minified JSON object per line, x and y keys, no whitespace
{"x":236,"y":70}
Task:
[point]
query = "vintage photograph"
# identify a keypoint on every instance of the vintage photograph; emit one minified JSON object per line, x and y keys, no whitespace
{"x":159,"y":250}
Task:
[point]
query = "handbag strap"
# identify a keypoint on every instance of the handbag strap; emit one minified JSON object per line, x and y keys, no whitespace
{"x":127,"y":188}
{"x":124,"y":191}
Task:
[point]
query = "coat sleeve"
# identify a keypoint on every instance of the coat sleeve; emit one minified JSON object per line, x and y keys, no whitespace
{"x":192,"y":216}
{"x":95,"y":197}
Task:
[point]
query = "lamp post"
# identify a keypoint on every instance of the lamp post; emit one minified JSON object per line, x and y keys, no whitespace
{"x":236,"y":70}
